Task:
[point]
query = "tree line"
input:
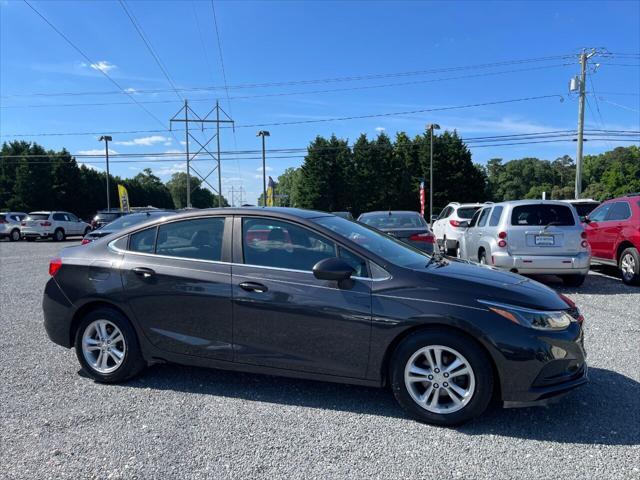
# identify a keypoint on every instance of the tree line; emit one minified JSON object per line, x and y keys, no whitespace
{"x":370,"y":174}
{"x":32,"y":178}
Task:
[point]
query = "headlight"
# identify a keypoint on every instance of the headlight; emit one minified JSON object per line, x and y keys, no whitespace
{"x":527,"y":317}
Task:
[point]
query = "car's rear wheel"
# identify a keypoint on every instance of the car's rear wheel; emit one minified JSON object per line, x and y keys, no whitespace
{"x":14,"y":236}
{"x":629,"y":264}
{"x":107,"y":346}
{"x":482,"y":257}
{"x":441,"y":378}
{"x":58,"y":235}
{"x":458,"y":250}
{"x":573,"y":280}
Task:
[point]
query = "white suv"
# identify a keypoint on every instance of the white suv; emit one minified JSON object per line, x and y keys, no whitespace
{"x":10,"y":225}
{"x":56,"y":225}
{"x":447,"y":229}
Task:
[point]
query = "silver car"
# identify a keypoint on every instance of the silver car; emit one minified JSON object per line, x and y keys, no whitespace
{"x":10,"y":225}
{"x":529,"y":237}
{"x":55,"y":225}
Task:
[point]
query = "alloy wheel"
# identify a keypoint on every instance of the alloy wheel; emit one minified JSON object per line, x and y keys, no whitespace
{"x":15,"y":235}
{"x":439,"y":379}
{"x":103,"y":346}
{"x":628,"y":266}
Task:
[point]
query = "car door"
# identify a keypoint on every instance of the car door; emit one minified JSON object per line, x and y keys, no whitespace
{"x":286,"y":318}
{"x":595,"y":231}
{"x":467,"y":240}
{"x":439,"y":226}
{"x":74,"y":227}
{"x":478,"y":233}
{"x":176,"y":280}
{"x":612,"y":227}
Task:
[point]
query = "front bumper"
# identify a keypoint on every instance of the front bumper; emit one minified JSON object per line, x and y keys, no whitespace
{"x":543,"y":264}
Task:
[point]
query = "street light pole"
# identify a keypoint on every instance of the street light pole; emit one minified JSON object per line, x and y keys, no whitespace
{"x":107,"y":139}
{"x":431,"y":127}
{"x":263,"y":134}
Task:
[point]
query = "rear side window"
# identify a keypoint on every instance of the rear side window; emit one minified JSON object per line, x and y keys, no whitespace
{"x":60,"y":217}
{"x":143,"y":241}
{"x":542,"y":214}
{"x":198,"y":238}
{"x":494,"y":220}
{"x":474,"y":220}
{"x":619,"y":211}
{"x":273,"y":243}
{"x":467,"y":212}
{"x":482,"y":221}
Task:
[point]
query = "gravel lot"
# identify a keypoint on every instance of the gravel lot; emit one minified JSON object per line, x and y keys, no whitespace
{"x":178,"y":422}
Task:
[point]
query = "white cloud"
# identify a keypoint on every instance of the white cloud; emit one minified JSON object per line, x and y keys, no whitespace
{"x":91,"y":166}
{"x":171,"y":169}
{"x":102,"y":66}
{"x":381,"y":129}
{"x":268,"y":169}
{"x":96,"y":151}
{"x":130,"y":90}
{"x":146,"y":141}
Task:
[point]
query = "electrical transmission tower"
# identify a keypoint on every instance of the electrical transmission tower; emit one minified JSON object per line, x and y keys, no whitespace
{"x":236,"y":196}
{"x":191,"y":117}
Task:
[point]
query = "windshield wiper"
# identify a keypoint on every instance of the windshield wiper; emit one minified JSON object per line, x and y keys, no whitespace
{"x":554,"y":222}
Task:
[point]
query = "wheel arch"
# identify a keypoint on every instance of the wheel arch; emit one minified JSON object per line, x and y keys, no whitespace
{"x":439,"y":326}
{"x":87,"y":308}
{"x":622,"y":247}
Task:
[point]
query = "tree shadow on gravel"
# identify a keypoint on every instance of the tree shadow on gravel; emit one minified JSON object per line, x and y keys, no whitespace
{"x":606,"y":411}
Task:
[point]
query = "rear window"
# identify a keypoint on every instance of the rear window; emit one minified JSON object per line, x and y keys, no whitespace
{"x":395,"y":220}
{"x":107,"y":217}
{"x":467,"y":212}
{"x":2,"y":218}
{"x":541,"y":214}
{"x":584,"y":209}
{"x":38,"y":216}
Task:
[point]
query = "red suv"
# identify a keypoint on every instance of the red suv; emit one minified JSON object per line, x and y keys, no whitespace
{"x":613,"y":230}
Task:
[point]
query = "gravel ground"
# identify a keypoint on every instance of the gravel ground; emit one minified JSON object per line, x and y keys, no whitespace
{"x":179,"y":422}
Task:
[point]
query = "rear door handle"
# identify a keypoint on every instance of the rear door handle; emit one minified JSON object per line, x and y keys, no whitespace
{"x":143,"y":272}
{"x":253,"y":287}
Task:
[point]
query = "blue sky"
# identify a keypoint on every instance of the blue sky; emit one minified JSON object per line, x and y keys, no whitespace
{"x":272,"y":42}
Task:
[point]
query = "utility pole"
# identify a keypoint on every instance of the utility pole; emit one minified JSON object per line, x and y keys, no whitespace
{"x":107,"y":139}
{"x":431,"y":127}
{"x":235,"y":195}
{"x":584,"y":57}
{"x":263,"y":134}
{"x":195,"y":118}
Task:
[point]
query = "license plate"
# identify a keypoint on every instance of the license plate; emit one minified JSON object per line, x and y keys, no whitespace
{"x":545,"y":240}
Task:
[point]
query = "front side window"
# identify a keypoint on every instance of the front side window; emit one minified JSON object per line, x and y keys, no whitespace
{"x":619,"y":211}
{"x":272,"y":243}
{"x":494,"y":220}
{"x":600,"y":213}
{"x":358,"y":263}
{"x":482,"y":221}
{"x":199,"y":238}
{"x":143,"y":241}
{"x":540,"y":215}
{"x":71,"y":217}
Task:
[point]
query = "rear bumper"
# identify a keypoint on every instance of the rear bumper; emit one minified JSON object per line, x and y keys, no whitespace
{"x":543,"y":264}
{"x":36,"y":232}
{"x":57,"y":314}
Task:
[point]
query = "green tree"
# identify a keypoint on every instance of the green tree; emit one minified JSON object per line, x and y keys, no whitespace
{"x":200,"y":197}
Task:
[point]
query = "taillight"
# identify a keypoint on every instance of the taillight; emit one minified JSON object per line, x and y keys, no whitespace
{"x":3,"y":221}
{"x":24,"y":224}
{"x":583,"y":234}
{"x":584,"y":244}
{"x":502,"y":243}
{"x":85,"y":241}
{"x":45,"y":224}
{"x":454,"y":223}
{"x":54,"y":266}
{"x":502,"y":235}
{"x":423,"y":237}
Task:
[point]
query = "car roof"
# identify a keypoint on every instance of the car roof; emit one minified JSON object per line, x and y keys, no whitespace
{"x":390,"y":212}
{"x":580,"y":200}
{"x":467,"y":205}
{"x":532,"y":201}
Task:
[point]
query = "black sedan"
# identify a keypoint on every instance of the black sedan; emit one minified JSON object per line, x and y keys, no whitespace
{"x":311,"y":295}
{"x":410,"y":227}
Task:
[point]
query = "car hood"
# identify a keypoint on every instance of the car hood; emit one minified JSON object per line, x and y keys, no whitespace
{"x":463,"y":279}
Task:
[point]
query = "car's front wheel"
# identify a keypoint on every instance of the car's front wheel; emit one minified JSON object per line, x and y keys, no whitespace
{"x":15,"y":235}
{"x":107,"y":346}
{"x":630,"y":266}
{"x":441,"y":378}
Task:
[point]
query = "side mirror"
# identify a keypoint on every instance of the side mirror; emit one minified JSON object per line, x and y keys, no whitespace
{"x":434,"y":218}
{"x":332,"y":269}
{"x":464,"y":224}
{"x":585,"y":219}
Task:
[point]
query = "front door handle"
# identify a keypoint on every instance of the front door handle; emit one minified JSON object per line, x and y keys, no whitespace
{"x":253,"y":287}
{"x":143,"y":272}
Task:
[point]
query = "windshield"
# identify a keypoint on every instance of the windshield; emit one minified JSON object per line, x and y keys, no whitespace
{"x":539,"y":214}
{"x":394,"y":220}
{"x":379,"y":243}
{"x":107,"y":217}
{"x":133,"y":219}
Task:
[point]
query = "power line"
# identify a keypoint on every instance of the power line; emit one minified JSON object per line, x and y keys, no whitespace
{"x":91,"y":62}
{"x":352,"y":78}
{"x":309,"y":92}
{"x":147,"y":42}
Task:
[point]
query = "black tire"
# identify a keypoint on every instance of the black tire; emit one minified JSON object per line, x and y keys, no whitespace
{"x":132,"y":363}
{"x":14,"y":236}
{"x":629,"y":265}
{"x":482,"y":257}
{"x":31,"y":239}
{"x":573,"y":280}
{"x":473,"y":353}
{"x":58,"y":235}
